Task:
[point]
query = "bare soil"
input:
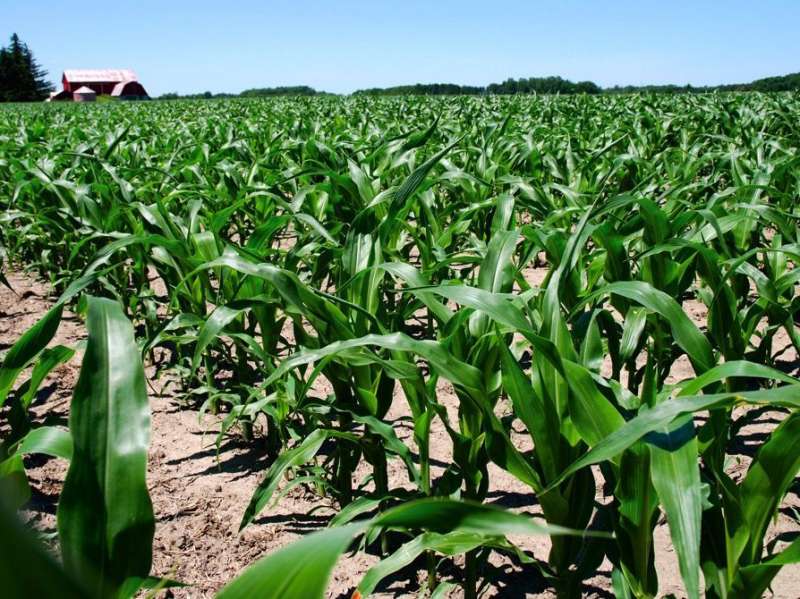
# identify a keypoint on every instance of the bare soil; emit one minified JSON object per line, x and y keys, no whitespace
{"x":199,"y":494}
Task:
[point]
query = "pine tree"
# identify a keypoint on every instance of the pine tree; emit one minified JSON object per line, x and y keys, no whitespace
{"x":20,"y":88}
{"x":21,"y":77}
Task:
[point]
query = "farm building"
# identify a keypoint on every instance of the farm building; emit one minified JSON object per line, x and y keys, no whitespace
{"x":121,"y":83}
{"x":84,"y":94}
{"x":129,"y":90}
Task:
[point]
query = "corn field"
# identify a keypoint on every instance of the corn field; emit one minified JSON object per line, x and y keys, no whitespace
{"x":607,"y":285}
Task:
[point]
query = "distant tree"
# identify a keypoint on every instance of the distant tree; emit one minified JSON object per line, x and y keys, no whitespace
{"x":21,"y":77}
{"x":293,"y":90}
{"x":776,"y":84}
{"x":559,"y":85}
{"x":587,"y":87}
{"x":207,"y":95}
{"x":543,"y":85}
{"x":423,"y":89}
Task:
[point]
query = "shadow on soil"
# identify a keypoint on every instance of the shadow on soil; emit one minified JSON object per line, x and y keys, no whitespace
{"x":234,"y":456}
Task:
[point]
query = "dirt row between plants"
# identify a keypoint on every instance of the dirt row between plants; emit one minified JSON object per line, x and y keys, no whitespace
{"x":199,"y":494}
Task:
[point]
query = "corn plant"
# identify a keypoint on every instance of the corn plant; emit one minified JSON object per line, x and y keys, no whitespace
{"x":105,"y":518}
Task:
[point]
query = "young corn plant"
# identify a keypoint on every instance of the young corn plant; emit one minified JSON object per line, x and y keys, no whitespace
{"x":105,"y":517}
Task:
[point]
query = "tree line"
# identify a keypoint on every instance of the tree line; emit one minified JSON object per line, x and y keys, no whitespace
{"x":256,"y":92}
{"x":559,"y":85}
{"x":783,"y":83}
{"x":21,"y":77}
{"x":530,"y":85}
{"x":423,"y":89}
{"x":543,"y":85}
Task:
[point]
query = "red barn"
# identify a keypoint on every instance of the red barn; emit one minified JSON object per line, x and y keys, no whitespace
{"x":102,"y":81}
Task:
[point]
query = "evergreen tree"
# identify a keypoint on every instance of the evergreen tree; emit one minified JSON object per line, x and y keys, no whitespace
{"x":21,"y":77}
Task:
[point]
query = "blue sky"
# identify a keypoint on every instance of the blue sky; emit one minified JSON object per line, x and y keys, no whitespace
{"x":230,"y":45}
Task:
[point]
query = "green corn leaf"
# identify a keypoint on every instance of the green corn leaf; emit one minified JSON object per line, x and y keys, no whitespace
{"x":651,"y":419}
{"x":752,"y":581}
{"x":299,"y":571}
{"x":769,"y":477}
{"x":48,"y":360}
{"x":27,"y":347}
{"x":403,"y":193}
{"x":676,"y":477}
{"x":632,"y":330}
{"x":390,"y":442}
{"x":356,"y":508}
{"x":27,"y":569}
{"x":445,"y":515}
{"x":497,"y":306}
{"x":734,"y":369}
{"x":105,"y":518}
{"x":302,"y":570}
{"x":594,"y":416}
{"x":443,"y":589}
{"x":219,"y":319}
{"x":454,"y":543}
{"x":14,"y":488}
{"x":495,"y":273}
{"x":47,"y":440}
{"x":686,"y":333}
{"x":451,"y":368}
{"x":413,"y":278}
{"x":297,"y":456}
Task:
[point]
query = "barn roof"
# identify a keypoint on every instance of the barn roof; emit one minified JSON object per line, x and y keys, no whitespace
{"x":98,"y":75}
{"x":84,"y":90}
{"x":128,"y":88}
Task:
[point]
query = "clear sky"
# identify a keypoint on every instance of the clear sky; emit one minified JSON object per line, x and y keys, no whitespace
{"x":340,"y":46}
